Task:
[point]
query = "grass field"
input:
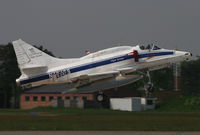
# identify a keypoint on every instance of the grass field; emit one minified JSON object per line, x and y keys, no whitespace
{"x":183,"y":104}
{"x":97,"y":119}
{"x":179,"y":114}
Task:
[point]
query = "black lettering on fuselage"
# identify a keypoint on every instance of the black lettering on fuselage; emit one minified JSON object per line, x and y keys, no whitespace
{"x":58,"y":74}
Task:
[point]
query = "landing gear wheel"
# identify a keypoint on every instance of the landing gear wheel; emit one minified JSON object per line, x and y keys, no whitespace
{"x":100,"y":97}
{"x":149,"y":87}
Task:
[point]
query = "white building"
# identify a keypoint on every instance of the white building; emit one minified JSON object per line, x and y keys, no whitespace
{"x":132,"y":103}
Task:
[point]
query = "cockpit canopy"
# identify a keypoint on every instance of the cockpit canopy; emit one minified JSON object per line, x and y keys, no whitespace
{"x":149,"y":47}
{"x":107,"y":51}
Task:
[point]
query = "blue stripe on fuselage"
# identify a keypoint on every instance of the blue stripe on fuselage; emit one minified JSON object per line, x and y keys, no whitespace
{"x":100,"y":63}
{"x":35,"y":79}
{"x":154,"y":54}
{"x":95,"y":64}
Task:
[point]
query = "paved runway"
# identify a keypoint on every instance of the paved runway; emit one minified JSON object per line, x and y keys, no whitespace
{"x":94,"y":133}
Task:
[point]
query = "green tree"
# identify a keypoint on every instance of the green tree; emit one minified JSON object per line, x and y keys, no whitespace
{"x":9,"y":72}
{"x":163,"y":79}
{"x":190,"y":73}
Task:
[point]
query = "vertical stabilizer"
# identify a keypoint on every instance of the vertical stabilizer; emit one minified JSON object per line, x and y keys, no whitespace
{"x":30,"y":59}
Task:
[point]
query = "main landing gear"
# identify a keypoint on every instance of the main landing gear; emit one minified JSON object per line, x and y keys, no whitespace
{"x":100,"y":97}
{"x":102,"y":100}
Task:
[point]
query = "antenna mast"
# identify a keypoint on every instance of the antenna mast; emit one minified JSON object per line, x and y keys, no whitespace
{"x":177,"y":76}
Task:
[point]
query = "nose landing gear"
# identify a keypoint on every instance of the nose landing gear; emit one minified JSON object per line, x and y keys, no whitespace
{"x":148,"y":87}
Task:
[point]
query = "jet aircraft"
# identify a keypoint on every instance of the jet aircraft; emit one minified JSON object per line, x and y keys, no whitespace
{"x":96,"y":71}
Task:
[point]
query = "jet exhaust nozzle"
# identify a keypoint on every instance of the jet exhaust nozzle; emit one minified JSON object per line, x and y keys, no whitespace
{"x":18,"y":82}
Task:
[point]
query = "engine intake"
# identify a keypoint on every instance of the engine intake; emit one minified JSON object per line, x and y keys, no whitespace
{"x":135,"y":54}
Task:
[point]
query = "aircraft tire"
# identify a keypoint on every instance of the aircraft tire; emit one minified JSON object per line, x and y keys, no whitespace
{"x":150,"y":88}
{"x":100,"y":97}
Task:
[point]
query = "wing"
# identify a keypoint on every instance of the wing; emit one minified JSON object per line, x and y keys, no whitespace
{"x":89,"y":78}
{"x":126,"y":70}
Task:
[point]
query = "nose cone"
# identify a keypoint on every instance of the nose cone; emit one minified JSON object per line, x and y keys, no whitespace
{"x":188,"y":55}
{"x":184,"y":55}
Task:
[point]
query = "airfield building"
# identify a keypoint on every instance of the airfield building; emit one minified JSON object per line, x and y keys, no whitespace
{"x":42,"y":96}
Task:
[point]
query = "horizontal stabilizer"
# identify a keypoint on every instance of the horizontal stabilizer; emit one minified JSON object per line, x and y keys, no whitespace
{"x":25,"y":67}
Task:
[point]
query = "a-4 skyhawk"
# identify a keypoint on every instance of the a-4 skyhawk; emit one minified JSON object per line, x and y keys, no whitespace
{"x":96,"y":71}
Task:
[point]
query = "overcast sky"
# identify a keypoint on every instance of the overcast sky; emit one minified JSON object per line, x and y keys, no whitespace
{"x":69,"y":27}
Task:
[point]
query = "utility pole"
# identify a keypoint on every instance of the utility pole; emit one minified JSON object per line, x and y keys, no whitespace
{"x":177,"y":76}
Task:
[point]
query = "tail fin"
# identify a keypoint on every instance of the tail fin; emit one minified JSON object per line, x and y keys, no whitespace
{"x":30,"y":59}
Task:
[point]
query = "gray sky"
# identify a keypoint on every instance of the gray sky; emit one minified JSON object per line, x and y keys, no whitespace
{"x":69,"y":27}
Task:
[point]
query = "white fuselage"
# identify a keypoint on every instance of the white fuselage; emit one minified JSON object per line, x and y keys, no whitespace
{"x":112,"y":59}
